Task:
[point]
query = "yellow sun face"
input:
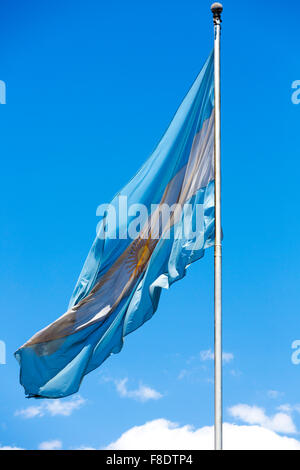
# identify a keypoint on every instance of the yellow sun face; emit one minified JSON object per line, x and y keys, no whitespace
{"x":139,"y":255}
{"x":143,"y":255}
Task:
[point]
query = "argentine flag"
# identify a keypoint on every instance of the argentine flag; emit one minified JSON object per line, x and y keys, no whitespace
{"x":121,"y":281}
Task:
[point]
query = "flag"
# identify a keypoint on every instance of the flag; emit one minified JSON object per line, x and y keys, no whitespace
{"x":134,"y":257}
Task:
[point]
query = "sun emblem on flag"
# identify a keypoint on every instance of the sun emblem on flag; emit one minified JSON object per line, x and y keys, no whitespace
{"x":139,"y":255}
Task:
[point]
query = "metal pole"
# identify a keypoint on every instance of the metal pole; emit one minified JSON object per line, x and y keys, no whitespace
{"x":217,"y":9}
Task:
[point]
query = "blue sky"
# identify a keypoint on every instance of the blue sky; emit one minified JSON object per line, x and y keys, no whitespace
{"x":91,"y":87}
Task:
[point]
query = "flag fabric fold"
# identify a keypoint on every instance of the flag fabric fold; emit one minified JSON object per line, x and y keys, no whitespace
{"x":121,"y":281}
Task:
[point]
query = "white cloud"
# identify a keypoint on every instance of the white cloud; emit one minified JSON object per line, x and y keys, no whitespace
{"x":50,"y":445}
{"x":86,"y":448}
{"x":30,"y":412}
{"x":227,"y":357}
{"x":162,"y":434}
{"x":287,"y":408}
{"x":52,"y":408}
{"x":143,"y":393}
{"x":10,"y":448}
{"x":64,"y":408}
{"x":274,"y":394}
{"x":280,"y":422}
{"x":208,"y":355}
{"x":46,"y":445}
{"x":183,"y":373}
{"x":235,"y":373}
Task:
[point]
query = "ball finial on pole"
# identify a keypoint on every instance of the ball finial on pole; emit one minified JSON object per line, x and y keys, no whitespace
{"x":217,"y":9}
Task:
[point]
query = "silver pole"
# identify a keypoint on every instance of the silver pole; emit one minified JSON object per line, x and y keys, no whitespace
{"x":217,"y":9}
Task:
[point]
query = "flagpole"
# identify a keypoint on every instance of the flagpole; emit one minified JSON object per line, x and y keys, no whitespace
{"x":217,"y":9}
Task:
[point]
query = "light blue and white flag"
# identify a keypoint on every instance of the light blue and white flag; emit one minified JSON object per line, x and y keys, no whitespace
{"x":121,"y":281}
